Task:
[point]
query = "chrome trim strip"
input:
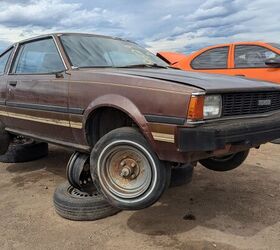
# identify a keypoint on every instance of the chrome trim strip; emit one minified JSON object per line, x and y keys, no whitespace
{"x":57,"y":47}
{"x":8,"y":70}
{"x":198,"y":93}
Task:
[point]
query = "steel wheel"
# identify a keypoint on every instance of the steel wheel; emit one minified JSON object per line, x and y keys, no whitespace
{"x":127,"y":171}
{"x":78,"y":171}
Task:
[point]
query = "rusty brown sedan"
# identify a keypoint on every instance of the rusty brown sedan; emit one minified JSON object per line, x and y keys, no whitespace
{"x":136,"y":117}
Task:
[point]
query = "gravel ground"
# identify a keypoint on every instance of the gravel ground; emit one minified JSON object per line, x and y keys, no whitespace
{"x":234,"y":210}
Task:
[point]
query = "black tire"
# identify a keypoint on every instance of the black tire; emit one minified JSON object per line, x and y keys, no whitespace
{"x":138,"y":190}
{"x":24,"y":150}
{"x":225,"y":163}
{"x":5,"y":140}
{"x":277,"y":141}
{"x":73,"y":204}
{"x":181,"y":175}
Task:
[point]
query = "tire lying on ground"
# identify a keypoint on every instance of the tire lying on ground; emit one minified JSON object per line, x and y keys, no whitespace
{"x":181,"y":175}
{"x":22,"y":150}
{"x":73,"y":204}
{"x":225,"y":163}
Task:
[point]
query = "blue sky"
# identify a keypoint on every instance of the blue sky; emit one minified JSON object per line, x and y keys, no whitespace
{"x":169,"y":25}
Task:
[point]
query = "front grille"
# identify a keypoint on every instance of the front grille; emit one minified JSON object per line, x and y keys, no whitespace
{"x":250,"y":103}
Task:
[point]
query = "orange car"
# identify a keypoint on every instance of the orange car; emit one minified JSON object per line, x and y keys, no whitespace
{"x":257,"y":60}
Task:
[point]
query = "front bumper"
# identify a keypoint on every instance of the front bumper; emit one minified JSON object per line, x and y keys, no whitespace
{"x":249,"y":132}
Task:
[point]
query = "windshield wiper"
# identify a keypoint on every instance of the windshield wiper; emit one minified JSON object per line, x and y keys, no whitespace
{"x":88,"y":67}
{"x":154,"y":65}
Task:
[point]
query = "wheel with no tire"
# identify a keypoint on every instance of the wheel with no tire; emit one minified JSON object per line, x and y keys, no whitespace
{"x":127,"y":171}
{"x":78,"y":171}
{"x":181,"y":175}
{"x":22,"y":149}
{"x":225,"y":163}
{"x":73,"y":204}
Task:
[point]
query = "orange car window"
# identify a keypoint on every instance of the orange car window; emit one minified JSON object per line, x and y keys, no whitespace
{"x":212,"y":59}
{"x":252,"y":56}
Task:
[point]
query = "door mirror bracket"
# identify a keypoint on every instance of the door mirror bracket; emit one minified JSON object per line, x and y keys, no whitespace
{"x":273,"y":62}
{"x":59,"y":74}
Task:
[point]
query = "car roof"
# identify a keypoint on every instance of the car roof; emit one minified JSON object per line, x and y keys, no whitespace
{"x":57,"y":34}
{"x":238,"y":43}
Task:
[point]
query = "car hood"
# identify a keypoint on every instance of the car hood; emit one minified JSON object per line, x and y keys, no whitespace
{"x":210,"y":83}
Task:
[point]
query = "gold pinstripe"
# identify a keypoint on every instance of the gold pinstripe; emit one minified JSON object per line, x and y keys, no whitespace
{"x":78,"y":125}
{"x":163,"y":137}
{"x":57,"y":122}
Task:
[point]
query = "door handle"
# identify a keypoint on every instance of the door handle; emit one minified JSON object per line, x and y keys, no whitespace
{"x":13,"y":83}
{"x":240,"y":75}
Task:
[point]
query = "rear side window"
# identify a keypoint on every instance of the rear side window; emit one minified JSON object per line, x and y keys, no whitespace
{"x":252,"y":56}
{"x":3,"y":61}
{"x":38,"y":57}
{"x":212,"y":59}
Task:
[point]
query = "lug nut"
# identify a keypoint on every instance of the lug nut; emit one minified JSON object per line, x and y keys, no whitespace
{"x":125,"y":172}
{"x":133,"y":165}
{"x":122,"y":163}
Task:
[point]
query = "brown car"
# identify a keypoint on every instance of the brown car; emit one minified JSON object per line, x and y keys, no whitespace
{"x":134,"y":115}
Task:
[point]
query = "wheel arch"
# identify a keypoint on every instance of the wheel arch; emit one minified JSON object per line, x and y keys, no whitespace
{"x":119,"y":104}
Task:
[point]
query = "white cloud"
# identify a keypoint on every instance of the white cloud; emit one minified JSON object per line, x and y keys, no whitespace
{"x":24,"y":19}
{"x":223,"y":21}
{"x":177,"y":25}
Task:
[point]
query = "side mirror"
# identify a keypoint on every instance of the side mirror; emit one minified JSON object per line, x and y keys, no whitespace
{"x":273,"y":62}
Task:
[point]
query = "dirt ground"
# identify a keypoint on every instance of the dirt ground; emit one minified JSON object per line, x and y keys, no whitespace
{"x":234,"y":210}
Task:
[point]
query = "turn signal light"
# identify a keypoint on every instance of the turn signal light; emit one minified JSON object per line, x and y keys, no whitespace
{"x":196,"y":105}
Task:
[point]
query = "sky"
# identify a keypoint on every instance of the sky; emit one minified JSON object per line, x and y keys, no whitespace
{"x":159,"y":25}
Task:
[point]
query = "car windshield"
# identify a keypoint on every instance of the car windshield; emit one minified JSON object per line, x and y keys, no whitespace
{"x":86,"y":51}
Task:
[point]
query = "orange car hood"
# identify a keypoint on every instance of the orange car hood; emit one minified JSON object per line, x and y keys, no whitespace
{"x":171,"y":57}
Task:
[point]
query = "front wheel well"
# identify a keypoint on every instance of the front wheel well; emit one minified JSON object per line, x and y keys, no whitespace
{"x":105,"y":119}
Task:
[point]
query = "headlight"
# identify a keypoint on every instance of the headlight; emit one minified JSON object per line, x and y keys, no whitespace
{"x":204,"y":107}
{"x":212,"y":106}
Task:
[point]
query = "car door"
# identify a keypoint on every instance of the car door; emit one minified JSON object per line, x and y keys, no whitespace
{"x":249,"y":61}
{"x":37,"y":97}
{"x":214,"y":60}
{"x":4,"y":59}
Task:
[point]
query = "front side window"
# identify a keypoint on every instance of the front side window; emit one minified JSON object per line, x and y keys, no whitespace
{"x":38,"y":57}
{"x":212,"y":59}
{"x":252,"y":56}
{"x":97,"y":51}
{"x":3,"y":61}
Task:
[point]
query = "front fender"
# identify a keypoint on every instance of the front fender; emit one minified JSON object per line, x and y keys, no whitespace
{"x":123,"y":104}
